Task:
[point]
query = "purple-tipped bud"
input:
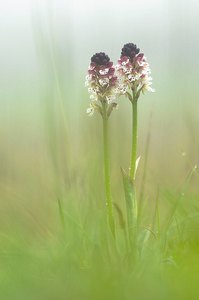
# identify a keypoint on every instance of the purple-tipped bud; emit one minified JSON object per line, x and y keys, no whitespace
{"x":100,"y":59}
{"x":130,"y":50}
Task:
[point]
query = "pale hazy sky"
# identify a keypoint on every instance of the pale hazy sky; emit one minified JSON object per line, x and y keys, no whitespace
{"x":163,"y":28}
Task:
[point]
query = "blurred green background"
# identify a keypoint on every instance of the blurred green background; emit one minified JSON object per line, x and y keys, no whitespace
{"x":50,"y":149}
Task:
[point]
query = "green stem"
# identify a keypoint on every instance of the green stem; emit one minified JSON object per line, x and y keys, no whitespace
{"x":134,"y":140}
{"x":109,"y":202}
{"x":133,"y":228}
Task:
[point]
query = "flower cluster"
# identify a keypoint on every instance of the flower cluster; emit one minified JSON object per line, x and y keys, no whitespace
{"x":107,"y":82}
{"x":134,"y":70}
{"x":102,"y":82}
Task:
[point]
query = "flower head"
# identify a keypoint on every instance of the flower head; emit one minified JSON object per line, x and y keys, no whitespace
{"x":134,"y":70}
{"x":130,"y":50}
{"x":100,"y":59}
{"x":102,"y":82}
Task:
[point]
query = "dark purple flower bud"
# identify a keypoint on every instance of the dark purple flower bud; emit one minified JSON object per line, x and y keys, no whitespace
{"x":130,"y":50}
{"x":100,"y":59}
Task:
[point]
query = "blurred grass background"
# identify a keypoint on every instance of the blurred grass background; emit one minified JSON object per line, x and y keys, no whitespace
{"x":50,"y":149}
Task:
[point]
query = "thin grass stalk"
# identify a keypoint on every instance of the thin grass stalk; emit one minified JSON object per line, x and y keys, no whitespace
{"x":144,"y":176}
{"x":61,"y":214}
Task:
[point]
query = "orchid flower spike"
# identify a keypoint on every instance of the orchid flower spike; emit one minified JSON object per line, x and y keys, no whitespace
{"x":102,"y":83}
{"x":134,"y":71}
